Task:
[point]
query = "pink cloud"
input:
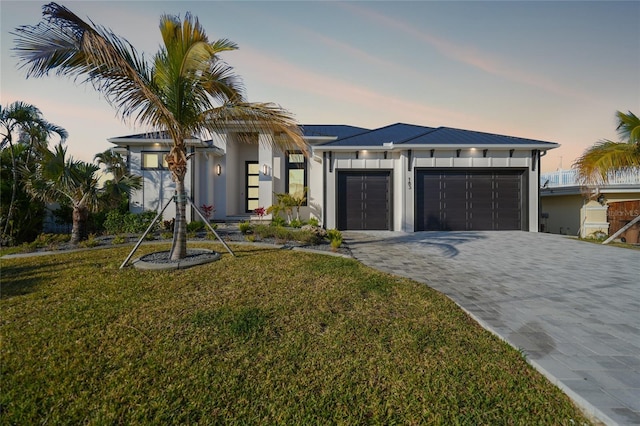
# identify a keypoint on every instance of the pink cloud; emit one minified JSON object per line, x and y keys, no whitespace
{"x":319,"y":85}
{"x":473,"y":57}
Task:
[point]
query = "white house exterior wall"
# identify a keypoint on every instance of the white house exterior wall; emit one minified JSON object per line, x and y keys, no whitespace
{"x":158,"y":187}
{"x":226,"y":192}
{"x":404,"y":196}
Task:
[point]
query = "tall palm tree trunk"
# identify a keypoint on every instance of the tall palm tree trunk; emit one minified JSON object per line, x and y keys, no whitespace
{"x":177,"y":162}
{"x":179,"y":246}
{"x":80,"y":219}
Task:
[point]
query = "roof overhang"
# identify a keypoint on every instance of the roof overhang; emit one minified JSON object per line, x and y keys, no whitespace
{"x":319,"y":140}
{"x":127,"y":141}
{"x":390,"y":146}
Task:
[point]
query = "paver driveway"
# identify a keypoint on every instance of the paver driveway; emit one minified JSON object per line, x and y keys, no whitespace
{"x":571,"y":306}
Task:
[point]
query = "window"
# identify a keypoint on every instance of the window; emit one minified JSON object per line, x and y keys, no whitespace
{"x":154,"y":160}
{"x":296,"y":173}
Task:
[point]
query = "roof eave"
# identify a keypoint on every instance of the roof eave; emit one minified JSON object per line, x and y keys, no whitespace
{"x":392,"y":147}
{"x":143,"y":141}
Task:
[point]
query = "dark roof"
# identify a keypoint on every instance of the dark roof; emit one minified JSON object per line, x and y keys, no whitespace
{"x":335,"y":130}
{"x":449,"y":136}
{"x":409,"y":134}
{"x":395,"y":133}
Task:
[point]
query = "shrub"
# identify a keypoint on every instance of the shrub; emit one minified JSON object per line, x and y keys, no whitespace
{"x":166,"y":235}
{"x":308,"y":237}
{"x":264,"y":231}
{"x":195,"y":226}
{"x":336,"y":243}
{"x":313,"y":222}
{"x":335,"y":238}
{"x":282,"y":234}
{"x":50,"y":241}
{"x":132,"y":223}
{"x":119,"y":239}
{"x":245,"y":227}
{"x":296,"y":223}
{"x":278,"y":221}
{"x":91,"y":241}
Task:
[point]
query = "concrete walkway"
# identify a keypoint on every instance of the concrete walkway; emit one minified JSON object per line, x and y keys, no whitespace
{"x":571,"y":306}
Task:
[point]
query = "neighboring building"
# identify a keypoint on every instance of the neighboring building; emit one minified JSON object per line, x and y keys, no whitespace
{"x":568,"y":208}
{"x":400,"y":177}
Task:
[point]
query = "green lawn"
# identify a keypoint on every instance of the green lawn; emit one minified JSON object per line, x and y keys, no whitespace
{"x":269,"y":337}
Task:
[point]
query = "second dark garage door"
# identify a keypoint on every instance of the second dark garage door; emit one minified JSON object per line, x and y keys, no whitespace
{"x":364,"y":200}
{"x":466,"y":200}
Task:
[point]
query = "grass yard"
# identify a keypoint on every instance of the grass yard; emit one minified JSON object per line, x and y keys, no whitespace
{"x":269,"y":337}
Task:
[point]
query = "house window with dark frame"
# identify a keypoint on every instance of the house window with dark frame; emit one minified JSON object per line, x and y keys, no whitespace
{"x":296,"y":173}
{"x":154,"y":160}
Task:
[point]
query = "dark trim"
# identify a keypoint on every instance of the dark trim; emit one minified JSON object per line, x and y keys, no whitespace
{"x":246,"y":184}
{"x":330,"y":162}
{"x":192,"y":212}
{"x":324,"y":189}
{"x":287,"y":167}
{"x":433,"y":151}
{"x":458,"y":153}
{"x":160,"y":162}
{"x":484,"y":153}
{"x":511,"y":153}
{"x":409,"y":160}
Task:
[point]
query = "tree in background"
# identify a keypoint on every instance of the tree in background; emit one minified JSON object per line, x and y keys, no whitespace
{"x":28,"y":222}
{"x":185,"y":90}
{"x":56,"y":178}
{"x":606,"y":157}
{"x":116,"y":190}
{"x":26,"y":122}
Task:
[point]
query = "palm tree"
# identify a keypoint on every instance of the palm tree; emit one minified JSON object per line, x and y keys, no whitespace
{"x":122,"y":182}
{"x":186,"y":90}
{"x":26,"y":225}
{"x":598,"y":162}
{"x":25,"y":120}
{"x":56,"y":178}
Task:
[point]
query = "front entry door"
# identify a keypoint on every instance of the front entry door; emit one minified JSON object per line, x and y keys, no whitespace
{"x":252,"y":188}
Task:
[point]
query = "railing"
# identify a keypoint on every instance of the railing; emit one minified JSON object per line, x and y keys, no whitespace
{"x":569,"y":178}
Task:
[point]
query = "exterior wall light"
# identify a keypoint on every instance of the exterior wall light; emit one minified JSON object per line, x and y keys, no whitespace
{"x":218,"y":169}
{"x":265,"y":169}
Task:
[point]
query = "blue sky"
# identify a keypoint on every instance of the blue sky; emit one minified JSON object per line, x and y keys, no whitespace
{"x":554,"y":71}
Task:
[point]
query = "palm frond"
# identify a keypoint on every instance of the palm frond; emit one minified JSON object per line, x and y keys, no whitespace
{"x":259,"y":117}
{"x":628,"y":127}
{"x":596,"y":164}
{"x":64,"y":43}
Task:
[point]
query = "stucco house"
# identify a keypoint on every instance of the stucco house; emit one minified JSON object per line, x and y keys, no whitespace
{"x":570,"y":209}
{"x":400,"y":177}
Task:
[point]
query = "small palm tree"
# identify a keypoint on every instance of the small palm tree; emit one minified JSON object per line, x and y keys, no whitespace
{"x":186,"y":90}
{"x":56,"y":178}
{"x":33,"y":130}
{"x":121,"y":183}
{"x":599,"y":161}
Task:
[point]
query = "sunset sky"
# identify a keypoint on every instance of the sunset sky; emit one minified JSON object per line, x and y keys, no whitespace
{"x":553,"y":71}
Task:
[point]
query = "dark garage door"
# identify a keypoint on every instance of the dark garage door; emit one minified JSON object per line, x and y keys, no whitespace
{"x":466,"y":200}
{"x":364,"y":200}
